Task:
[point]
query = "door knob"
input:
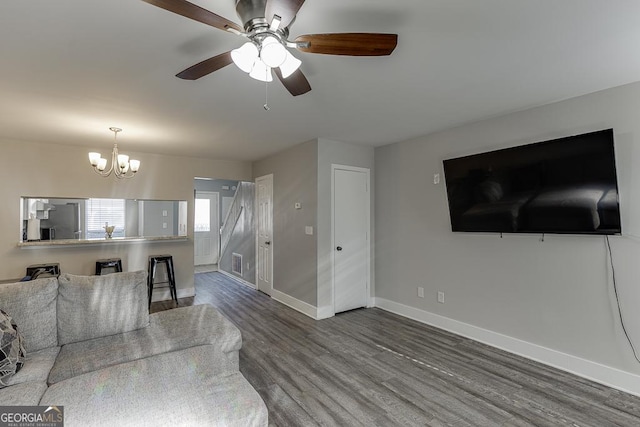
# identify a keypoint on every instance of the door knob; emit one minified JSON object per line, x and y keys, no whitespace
{"x":267,"y":243}
{"x":339,"y":248}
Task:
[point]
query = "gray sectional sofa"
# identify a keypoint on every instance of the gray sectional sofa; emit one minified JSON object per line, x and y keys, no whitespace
{"x":92,"y":347}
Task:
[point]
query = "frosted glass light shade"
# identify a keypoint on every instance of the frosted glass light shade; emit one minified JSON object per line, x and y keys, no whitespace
{"x":102,"y":164}
{"x":261,"y":71}
{"x":290,"y":65}
{"x":94,"y":158}
{"x":272,"y":53}
{"x":135,"y":165}
{"x":123,"y":161}
{"x":245,"y":56}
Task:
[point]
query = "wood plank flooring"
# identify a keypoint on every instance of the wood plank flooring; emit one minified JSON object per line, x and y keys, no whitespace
{"x":372,"y":368}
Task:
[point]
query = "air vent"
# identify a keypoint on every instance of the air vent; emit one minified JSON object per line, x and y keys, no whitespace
{"x":236,"y":264}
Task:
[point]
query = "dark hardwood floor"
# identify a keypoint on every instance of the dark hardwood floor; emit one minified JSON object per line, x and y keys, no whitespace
{"x":370,"y":367}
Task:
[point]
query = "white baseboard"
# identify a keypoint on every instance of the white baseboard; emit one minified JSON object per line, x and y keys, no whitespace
{"x":324,"y":312}
{"x":294,"y":303}
{"x":165,"y":294}
{"x":238,"y":279}
{"x":612,"y":377}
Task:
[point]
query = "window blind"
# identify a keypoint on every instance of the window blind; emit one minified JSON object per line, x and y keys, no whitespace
{"x":101,"y":211}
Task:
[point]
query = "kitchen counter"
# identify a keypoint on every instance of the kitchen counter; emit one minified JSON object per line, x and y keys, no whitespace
{"x":115,"y":240}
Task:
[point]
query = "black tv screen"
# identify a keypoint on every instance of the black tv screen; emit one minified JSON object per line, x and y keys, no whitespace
{"x":565,"y":185}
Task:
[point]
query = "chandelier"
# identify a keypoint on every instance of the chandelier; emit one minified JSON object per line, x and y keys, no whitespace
{"x":266,"y":50}
{"x":121,"y":166}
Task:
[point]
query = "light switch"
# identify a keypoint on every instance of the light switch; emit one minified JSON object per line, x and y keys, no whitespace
{"x":308,"y":230}
{"x":225,"y":187}
{"x":164,"y":225}
{"x":436,"y":178}
{"x":164,"y":213}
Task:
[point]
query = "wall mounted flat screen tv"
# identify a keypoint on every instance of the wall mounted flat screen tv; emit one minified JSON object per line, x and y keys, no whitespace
{"x":565,"y":185}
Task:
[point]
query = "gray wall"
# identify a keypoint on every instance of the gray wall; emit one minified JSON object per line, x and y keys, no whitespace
{"x":243,"y":239}
{"x":153,"y":220}
{"x":556,"y":294}
{"x":295,"y":179}
{"x":302,"y":263}
{"x":329,"y":153}
{"x":63,"y":171}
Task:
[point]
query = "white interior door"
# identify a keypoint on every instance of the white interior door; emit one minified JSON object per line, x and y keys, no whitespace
{"x":351,"y":211}
{"x":264,"y":234}
{"x":206,"y":228}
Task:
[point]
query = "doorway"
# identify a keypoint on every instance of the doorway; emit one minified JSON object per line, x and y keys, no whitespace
{"x":350,"y":235}
{"x":206,"y":228}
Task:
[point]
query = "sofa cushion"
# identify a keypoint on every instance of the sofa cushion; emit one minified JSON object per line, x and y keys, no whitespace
{"x":176,"y":388}
{"x":32,"y":305}
{"x":11,"y":349}
{"x":168,"y":331}
{"x":36,"y":367}
{"x":25,"y":394}
{"x":97,"y":306}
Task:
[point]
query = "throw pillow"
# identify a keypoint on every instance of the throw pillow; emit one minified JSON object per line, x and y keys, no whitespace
{"x":12,"y":352}
{"x":96,"y":306}
{"x":32,"y":306}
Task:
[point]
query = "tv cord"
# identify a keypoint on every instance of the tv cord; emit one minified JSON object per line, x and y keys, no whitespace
{"x":615,"y":291}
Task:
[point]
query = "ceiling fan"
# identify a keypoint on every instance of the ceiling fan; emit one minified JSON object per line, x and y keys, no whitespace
{"x":266,"y":26}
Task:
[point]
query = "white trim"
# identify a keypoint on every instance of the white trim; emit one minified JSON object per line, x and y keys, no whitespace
{"x":367,"y":172}
{"x":165,"y":294}
{"x":612,"y":377}
{"x":238,"y":279}
{"x":324,"y":312}
{"x":296,"y":304}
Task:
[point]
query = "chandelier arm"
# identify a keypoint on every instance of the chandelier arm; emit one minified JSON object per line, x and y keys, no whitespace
{"x":114,"y":160}
{"x":103,"y":174}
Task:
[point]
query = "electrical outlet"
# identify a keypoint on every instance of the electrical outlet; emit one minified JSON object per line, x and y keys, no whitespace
{"x":441,"y":297}
{"x":420,"y":292}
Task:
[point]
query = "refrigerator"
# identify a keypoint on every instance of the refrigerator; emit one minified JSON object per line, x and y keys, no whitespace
{"x":63,"y":222}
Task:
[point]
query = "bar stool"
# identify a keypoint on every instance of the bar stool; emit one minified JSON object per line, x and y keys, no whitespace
{"x":167,"y":260}
{"x":43,"y":270}
{"x":114,"y":264}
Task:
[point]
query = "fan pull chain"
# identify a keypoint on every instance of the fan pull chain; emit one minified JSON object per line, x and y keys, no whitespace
{"x":266,"y":96}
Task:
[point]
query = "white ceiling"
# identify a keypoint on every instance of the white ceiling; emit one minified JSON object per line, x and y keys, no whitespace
{"x":70,"y":69}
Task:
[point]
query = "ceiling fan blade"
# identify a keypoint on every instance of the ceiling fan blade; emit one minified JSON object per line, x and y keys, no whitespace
{"x":205,"y":67}
{"x":285,"y":9}
{"x":192,"y":11}
{"x":351,"y":44}
{"x":296,"y":83}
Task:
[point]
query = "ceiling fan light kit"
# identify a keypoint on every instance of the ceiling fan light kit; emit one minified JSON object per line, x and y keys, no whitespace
{"x":245,"y":56}
{"x":290,"y":65}
{"x":272,"y":52}
{"x":261,"y":71}
{"x":266,"y":25}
